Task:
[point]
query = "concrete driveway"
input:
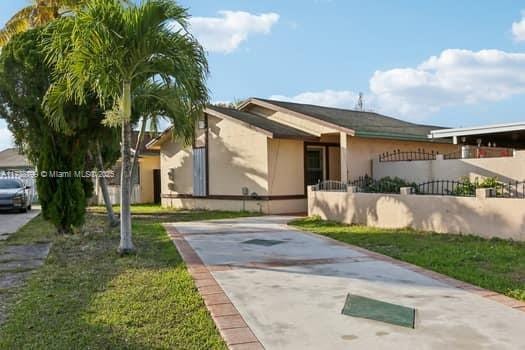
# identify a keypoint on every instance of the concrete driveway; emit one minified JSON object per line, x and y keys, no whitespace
{"x":288,"y":293}
{"x":10,"y":221}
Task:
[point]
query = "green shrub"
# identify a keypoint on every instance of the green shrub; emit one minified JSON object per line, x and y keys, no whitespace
{"x":388,"y":185}
{"x":468,"y":187}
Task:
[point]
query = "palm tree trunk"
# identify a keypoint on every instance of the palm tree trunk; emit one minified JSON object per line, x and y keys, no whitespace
{"x":113,"y":221}
{"x":126,"y":243}
{"x":138,"y":145}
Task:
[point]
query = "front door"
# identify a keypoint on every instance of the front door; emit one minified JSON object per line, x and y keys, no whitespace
{"x":156,"y":186}
{"x":315,"y":164}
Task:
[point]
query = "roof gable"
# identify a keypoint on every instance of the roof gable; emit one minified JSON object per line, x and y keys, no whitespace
{"x":365,"y":124}
{"x":268,"y":127}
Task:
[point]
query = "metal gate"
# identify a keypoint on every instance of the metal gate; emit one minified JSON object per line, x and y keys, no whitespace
{"x":199,"y":172}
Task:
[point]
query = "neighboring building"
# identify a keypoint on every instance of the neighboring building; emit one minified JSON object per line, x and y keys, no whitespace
{"x":509,"y":135}
{"x":263,"y":155}
{"x":12,"y":160}
{"x":146,"y":182}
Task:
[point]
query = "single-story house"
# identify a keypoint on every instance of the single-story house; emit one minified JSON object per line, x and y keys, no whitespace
{"x":146,"y":181}
{"x":262,"y":155}
{"x":12,"y":160}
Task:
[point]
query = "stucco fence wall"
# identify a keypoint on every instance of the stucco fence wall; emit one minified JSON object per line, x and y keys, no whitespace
{"x":505,"y":168}
{"x":489,"y":217}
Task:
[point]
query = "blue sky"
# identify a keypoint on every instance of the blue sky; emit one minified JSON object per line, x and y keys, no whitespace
{"x":451,"y":63}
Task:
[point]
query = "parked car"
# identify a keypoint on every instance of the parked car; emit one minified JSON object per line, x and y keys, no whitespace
{"x":14,"y":194}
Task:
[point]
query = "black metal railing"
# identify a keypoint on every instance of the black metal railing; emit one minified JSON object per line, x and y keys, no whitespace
{"x":400,"y":156}
{"x":463,"y":188}
{"x":331,"y":186}
{"x":445,"y":188}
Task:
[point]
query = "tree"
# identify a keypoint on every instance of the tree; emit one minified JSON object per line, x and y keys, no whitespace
{"x":24,"y":81}
{"x":39,"y":13}
{"x":114,"y":51}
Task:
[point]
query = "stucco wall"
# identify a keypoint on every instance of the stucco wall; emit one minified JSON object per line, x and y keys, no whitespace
{"x":505,"y":168}
{"x":285,"y":167}
{"x":285,"y":206}
{"x":176,"y":164}
{"x":147,"y":165}
{"x":238,"y":157}
{"x":362,"y":151}
{"x":491,"y":217}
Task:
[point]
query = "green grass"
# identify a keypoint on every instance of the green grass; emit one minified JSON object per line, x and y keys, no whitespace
{"x":494,"y":264}
{"x":156,"y":209}
{"x":87,"y":297}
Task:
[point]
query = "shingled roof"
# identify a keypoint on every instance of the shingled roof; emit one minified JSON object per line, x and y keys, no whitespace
{"x":366,"y":124}
{"x":276,"y":129}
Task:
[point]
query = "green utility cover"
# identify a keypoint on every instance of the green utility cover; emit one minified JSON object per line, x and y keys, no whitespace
{"x":263,"y":242}
{"x":371,"y":309}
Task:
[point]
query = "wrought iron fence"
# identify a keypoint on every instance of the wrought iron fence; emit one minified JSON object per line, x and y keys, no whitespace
{"x":399,"y":156}
{"x":464,"y":188}
{"x":445,"y":188}
{"x":511,"y":189}
{"x":331,"y":186}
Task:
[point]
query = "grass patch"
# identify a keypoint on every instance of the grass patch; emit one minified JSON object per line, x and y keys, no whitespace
{"x":87,"y":297}
{"x":181,"y":214}
{"x":36,"y":231}
{"x":495,"y":264}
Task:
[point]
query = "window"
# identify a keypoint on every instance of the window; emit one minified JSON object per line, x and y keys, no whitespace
{"x":314,"y":165}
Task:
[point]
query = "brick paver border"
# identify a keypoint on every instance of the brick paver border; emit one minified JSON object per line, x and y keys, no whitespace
{"x":232,"y":327}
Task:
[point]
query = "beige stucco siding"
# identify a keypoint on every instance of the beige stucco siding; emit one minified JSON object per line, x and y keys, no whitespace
{"x":361,"y":152}
{"x":176,"y":165}
{"x":285,"y":167}
{"x":237,"y":158}
{"x":147,"y":165}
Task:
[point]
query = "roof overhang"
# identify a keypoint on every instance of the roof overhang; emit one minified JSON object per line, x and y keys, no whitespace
{"x":277,"y":108}
{"x":155,"y":143}
{"x":268,"y":133}
{"x":477,"y":130}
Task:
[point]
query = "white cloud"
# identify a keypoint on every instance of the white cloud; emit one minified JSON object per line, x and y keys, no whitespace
{"x":455,"y":77}
{"x":518,"y":28}
{"x":227,"y":31}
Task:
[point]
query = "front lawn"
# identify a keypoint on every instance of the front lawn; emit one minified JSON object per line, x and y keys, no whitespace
{"x":494,"y":264}
{"x":87,"y":297}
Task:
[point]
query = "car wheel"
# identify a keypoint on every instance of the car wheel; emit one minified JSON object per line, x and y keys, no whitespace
{"x":23,"y":210}
{"x":29,"y":207}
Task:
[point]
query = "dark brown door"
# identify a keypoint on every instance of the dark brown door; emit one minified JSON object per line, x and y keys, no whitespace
{"x":156,"y":186}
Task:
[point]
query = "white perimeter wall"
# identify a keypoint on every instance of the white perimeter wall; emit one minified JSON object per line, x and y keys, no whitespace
{"x":490,"y":217}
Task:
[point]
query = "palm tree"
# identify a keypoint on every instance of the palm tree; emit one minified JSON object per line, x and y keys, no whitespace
{"x":114,"y":52}
{"x":39,"y":13}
